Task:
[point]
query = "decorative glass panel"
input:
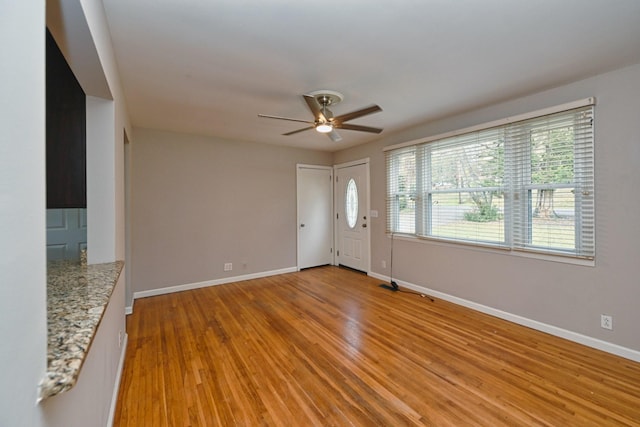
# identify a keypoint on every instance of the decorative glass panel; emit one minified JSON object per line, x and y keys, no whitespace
{"x":351,"y":203}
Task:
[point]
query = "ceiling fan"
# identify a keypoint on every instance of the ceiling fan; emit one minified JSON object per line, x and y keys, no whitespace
{"x":324,"y":120}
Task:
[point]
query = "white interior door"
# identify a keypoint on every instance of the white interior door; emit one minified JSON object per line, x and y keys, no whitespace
{"x":315,"y":213}
{"x":352,"y":216}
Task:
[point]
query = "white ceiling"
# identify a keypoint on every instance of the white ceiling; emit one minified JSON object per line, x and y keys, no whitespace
{"x":210,"y":66}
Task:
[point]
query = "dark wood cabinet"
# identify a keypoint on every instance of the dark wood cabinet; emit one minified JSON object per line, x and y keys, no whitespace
{"x":66,"y":133}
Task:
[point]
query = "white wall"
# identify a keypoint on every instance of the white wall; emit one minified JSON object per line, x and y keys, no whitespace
{"x":101,"y":181}
{"x":23,"y":322}
{"x":199,"y":202}
{"x":566,"y":296}
{"x":96,"y":18}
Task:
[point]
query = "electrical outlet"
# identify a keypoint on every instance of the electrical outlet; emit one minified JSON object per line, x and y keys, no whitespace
{"x":228,"y":266}
{"x":120,"y":339}
{"x":384,"y":264}
{"x":606,"y":322}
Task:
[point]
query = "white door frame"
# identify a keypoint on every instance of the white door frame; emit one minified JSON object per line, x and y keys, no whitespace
{"x":298,"y":219}
{"x":336,"y":194}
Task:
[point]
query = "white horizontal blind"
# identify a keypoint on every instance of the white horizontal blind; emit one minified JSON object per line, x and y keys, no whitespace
{"x":401,"y":191}
{"x":526,"y":185}
{"x":552,"y":166}
{"x":466,"y":184}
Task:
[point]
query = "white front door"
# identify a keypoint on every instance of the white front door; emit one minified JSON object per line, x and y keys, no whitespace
{"x":352,"y":215}
{"x":315,"y":213}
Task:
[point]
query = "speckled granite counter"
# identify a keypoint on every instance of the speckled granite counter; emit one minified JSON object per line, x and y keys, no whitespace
{"x":77,"y":296}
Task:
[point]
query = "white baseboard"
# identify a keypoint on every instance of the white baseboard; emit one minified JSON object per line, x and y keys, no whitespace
{"x":116,"y":386}
{"x":618,"y":350}
{"x":189,"y":286}
{"x":128,"y":310}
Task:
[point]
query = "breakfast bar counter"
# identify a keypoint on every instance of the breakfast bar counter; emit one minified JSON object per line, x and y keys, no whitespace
{"x":77,"y":296}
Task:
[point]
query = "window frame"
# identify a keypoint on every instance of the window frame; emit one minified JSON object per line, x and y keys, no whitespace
{"x":517,"y":185}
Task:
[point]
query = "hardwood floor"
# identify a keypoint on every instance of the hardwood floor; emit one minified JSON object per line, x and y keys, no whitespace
{"x":328,"y":347}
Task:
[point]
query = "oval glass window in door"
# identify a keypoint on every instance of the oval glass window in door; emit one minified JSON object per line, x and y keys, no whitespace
{"x":351,"y":203}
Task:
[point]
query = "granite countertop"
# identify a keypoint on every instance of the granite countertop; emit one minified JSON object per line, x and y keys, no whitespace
{"x":77,"y":296}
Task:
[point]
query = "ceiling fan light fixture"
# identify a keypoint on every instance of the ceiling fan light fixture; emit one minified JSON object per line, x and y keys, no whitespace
{"x":324,"y":128}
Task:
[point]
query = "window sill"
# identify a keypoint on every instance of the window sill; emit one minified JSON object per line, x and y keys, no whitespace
{"x":500,"y":251}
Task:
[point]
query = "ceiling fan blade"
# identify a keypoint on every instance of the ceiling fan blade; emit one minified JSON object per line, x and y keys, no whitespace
{"x":355,"y":114}
{"x":334,"y":136}
{"x":360,"y":128}
{"x":283,"y":118}
{"x":315,"y":108}
{"x":299,"y":130}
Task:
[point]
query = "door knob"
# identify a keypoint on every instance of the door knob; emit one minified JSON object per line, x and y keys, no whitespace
{"x":301,"y":225}
{"x":364,"y":225}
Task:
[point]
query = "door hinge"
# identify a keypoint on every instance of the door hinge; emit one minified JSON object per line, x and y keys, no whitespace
{"x":338,"y":252}
{"x":337,"y":216}
{"x":330,"y":250}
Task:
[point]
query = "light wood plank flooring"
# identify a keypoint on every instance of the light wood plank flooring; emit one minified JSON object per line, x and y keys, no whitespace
{"x":328,"y":347}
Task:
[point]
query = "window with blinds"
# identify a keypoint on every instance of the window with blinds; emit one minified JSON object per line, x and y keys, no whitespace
{"x":524,"y":184}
